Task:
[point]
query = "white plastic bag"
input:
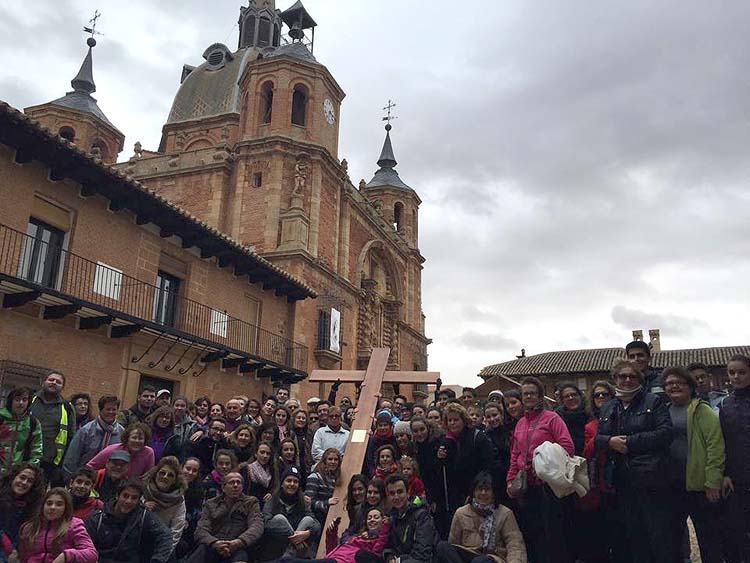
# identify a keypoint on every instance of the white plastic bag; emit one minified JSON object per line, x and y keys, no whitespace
{"x":564,"y":474}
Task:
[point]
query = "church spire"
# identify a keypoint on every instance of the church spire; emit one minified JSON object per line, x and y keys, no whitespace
{"x":387,"y":160}
{"x":386,"y":174}
{"x":77,"y":117}
{"x":84,"y":80}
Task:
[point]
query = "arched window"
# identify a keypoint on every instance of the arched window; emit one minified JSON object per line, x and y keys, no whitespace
{"x":67,"y":133}
{"x":264,"y":32}
{"x":266,"y":102}
{"x":248,"y":31}
{"x":398,"y":213}
{"x":299,"y":105}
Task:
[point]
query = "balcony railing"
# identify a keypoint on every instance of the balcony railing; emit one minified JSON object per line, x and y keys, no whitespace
{"x":46,"y":265}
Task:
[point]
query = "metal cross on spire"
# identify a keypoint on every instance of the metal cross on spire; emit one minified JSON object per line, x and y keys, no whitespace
{"x":389,"y":117}
{"x":92,"y":21}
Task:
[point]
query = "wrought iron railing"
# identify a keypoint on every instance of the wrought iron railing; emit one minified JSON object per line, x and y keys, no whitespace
{"x":48,"y":265}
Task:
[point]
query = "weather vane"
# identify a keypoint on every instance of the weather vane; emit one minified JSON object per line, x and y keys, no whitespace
{"x":92,"y":21}
{"x":389,"y":117}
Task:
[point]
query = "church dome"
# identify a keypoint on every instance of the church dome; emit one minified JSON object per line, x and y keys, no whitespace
{"x":213,"y":87}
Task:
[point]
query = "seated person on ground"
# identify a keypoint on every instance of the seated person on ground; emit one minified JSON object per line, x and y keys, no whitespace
{"x":109,"y":479}
{"x":123,"y":531}
{"x":81,"y":488}
{"x":412,"y":533}
{"x":229,"y":526}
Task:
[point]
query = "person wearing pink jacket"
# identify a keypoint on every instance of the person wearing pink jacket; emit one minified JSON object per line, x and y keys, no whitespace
{"x":542,"y":515}
{"x":373,"y":539}
{"x":54,"y":535}
{"x":134,"y":441}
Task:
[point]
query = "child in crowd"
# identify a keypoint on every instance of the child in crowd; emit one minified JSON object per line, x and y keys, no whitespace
{"x":408,"y":468}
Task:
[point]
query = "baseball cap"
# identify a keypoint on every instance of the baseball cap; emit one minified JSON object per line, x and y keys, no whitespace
{"x":312,"y":400}
{"x":119,"y":455}
{"x":162,"y":391}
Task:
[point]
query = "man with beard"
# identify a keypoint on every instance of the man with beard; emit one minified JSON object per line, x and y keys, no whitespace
{"x":141,"y":409}
{"x":58,"y":421}
{"x":114,"y":474}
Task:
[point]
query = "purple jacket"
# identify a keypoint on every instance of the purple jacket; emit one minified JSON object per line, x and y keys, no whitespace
{"x":76,"y":545}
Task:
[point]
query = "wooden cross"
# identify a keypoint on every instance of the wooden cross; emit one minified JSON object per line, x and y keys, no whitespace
{"x":359,"y":435}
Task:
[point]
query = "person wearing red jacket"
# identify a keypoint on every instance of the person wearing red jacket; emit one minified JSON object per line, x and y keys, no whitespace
{"x":81,"y":487}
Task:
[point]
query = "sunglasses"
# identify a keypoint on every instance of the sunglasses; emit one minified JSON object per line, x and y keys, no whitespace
{"x":602,"y":394}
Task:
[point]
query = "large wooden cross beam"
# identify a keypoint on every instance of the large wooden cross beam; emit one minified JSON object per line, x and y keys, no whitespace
{"x":356,"y":447}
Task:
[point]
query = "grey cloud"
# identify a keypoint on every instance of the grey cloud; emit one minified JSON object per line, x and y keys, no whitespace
{"x":673,"y":325}
{"x":560,"y":177}
{"x":480,"y":341}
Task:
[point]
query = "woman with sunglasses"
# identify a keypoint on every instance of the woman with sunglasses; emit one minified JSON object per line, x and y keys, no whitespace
{"x":164,"y":495}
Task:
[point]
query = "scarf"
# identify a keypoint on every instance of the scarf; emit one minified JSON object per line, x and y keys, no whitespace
{"x":619,"y":393}
{"x":202,"y":422}
{"x":259,"y":474}
{"x":216,"y":476}
{"x":387,"y":435}
{"x":381,"y":473}
{"x":283,"y":432}
{"x":163,"y":499}
{"x":108,"y":429}
{"x":487,"y":527}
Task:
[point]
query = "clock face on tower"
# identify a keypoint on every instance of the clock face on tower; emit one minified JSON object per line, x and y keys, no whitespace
{"x":328,"y":111}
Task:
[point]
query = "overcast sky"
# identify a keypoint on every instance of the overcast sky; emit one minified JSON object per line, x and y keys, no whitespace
{"x":583,"y":166}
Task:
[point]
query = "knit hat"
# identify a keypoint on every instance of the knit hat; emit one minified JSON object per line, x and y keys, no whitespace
{"x":402,"y":427}
{"x":384,"y":416}
{"x":290,"y":471}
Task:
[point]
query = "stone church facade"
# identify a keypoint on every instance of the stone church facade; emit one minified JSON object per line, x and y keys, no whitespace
{"x":250,"y":148}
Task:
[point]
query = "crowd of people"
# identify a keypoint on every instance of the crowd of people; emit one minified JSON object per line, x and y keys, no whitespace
{"x":172,"y":479}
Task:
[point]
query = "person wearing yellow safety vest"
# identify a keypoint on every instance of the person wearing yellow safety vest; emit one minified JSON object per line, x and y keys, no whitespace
{"x":58,"y":421}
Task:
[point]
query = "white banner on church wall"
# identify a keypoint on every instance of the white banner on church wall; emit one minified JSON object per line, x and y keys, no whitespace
{"x":335,"y":329}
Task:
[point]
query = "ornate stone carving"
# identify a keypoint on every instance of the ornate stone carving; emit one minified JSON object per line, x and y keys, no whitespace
{"x":301,"y":173}
{"x":362,"y":184}
{"x":138,"y":149}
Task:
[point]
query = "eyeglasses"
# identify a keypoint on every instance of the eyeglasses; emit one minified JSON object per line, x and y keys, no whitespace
{"x":675,"y":384}
{"x":628,"y":376}
{"x":602,"y":395}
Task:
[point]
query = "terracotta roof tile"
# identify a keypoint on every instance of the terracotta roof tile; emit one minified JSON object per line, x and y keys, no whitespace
{"x":597,"y":360}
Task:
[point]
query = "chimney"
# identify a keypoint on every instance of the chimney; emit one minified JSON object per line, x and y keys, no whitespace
{"x":638,"y":335}
{"x":655,"y":340}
